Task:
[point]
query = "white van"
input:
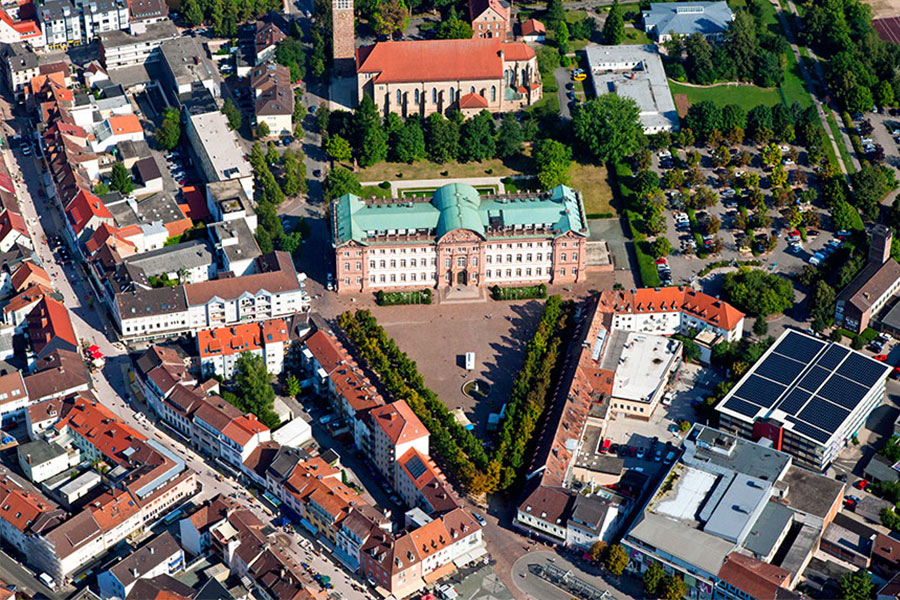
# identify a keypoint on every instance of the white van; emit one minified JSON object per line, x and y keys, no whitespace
{"x":47,"y":580}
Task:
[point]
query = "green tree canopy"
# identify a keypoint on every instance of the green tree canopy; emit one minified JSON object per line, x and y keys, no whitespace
{"x":340,"y":181}
{"x":169,"y":132}
{"x":253,"y":388}
{"x":614,"y":27}
{"x":120,"y":179}
{"x":609,"y":127}
{"x":338,"y":148}
{"x":442,"y":136}
{"x":232,"y":113}
{"x":553,"y":160}
{"x":616,"y":559}
{"x":846,"y":217}
{"x":262,"y":130}
{"x":757,"y":292}
{"x":509,"y":137}
{"x":857,"y":586}
{"x":653,"y":578}
{"x":477,"y":137}
{"x":453,"y":28}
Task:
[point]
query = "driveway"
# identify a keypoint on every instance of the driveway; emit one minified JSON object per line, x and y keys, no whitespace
{"x":561,"y":75}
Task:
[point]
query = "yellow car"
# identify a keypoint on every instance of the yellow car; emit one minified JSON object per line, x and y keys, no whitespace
{"x":579,"y":77}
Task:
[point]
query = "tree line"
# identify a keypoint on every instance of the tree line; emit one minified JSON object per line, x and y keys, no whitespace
{"x":458,"y":449}
{"x":225,"y":15}
{"x":270,"y":192}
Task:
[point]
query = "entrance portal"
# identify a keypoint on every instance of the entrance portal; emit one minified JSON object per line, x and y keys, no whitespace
{"x":461,"y":278}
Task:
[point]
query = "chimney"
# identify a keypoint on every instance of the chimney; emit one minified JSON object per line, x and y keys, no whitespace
{"x":152,"y":549}
{"x":28,"y":458}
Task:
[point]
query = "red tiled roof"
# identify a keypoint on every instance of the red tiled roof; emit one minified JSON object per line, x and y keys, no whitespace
{"x":225,"y":341}
{"x":194,"y":204}
{"x":101,"y":428}
{"x":47,"y":321}
{"x":673,"y":299}
{"x":27,"y":297}
{"x":125,"y":124}
{"x":473,"y":100}
{"x":27,"y":275}
{"x":478,"y":7}
{"x":12,"y":221}
{"x":84,"y":207}
{"x":533,"y":27}
{"x":439,"y":60}
{"x":755,"y":578}
{"x":398,"y":422}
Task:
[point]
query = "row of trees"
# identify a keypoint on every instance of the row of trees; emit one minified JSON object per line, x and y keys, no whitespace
{"x":459,"y":450}
{"x":365,"y":137}
{"x":749,"y":52}
{"x":225,"y":15}
{"x":270,"y":234}
{"x":709,"y":123}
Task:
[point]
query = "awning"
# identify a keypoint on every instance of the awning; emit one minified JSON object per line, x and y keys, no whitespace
{"x":96,"y":354}
{"x":441,"y":571}
{"x":310,"y":526}
{"x":93,"y":348}
{"x":473,"y":554}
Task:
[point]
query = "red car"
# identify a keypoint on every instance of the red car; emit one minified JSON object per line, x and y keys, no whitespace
{"x":881,"y":357}
{"x":849,"y":503}
{"x":861,"y":484}
{"x":661,"y":261}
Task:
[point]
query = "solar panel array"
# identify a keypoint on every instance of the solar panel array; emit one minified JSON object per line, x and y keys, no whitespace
{"x":815,"y":383}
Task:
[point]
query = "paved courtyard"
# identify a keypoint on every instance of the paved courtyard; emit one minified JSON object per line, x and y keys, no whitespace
{"x":438,"y":337}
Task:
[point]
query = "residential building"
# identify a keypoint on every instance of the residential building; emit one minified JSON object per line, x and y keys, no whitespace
{"x":28,"y":274}
{"x":636,"y":72}
{"x":709,"y":19}
{"x":460,"y":238}
{"x":872,"y":287}
{"x":187,"y":262}
{"x":592,"y":519}
{"x":228,"y":201}
{"x":806,"y":395}
{"x":117,"y":129}
{"x":236,"y":246}
{"x":74,"y":22}
{"x":426,"y":76}
{"x":273,"y":102}
{"x":222,"y":431}
{"x":40,"y":460}
{"x":59,"y":373}
{"x":20,"y":65}
{"x":50,"y":328}
{"x":13,"y":231}
{"x":746,"y":578}
{"x":145,"y":12}
{"x":160,"y":556}
{"x":17,"y":30}
{"x":13,"y":397}
{"x":219,"y":349}
{"x":85,"y":213}
{"x":266,"y":38}
{"x":184,"y":65}
{"x":395,"y":429}
{"x":220,"y":155}
{"x":489,"y":18}
{"x":124,"y":49}
{"x":725,"y":496}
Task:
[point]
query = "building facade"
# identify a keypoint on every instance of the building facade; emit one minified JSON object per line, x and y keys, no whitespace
{"x":458,"y":238}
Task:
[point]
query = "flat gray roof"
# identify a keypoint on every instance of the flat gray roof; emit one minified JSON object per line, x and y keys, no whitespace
{"x":188,"y":255}
{"x":220,"y":146}
{"x":159,"y":31}
{"x":767,"y":530}
{"x":686,"y":18}
{"x":739,"y":505}
{"x":236,"y":240}
{"x":635,"y":71}
{"x":186,"y":60}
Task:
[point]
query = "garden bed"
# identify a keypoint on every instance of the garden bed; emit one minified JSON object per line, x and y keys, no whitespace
{"x":519,"y":293}
{"x":397,"y":298}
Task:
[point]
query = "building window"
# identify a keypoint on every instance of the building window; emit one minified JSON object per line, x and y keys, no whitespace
{"x":346,"y":266}
{"x":371,"y":264}
{"x":393,"y":264}
{"x":417,"y":96}
{"x":452,"y":95}
{"x":474,"y":261}
{"x":562,"y":257}
{"x":446,"y":262}
{"x":461,"y":261}
{"x":493,"y":93}
{"x":381,"y":264}
{"x":434,"y":95}
{"x":399,"y":97}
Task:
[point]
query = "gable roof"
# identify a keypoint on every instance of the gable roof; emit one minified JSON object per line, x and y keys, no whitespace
{"x":479,"y":7}
{"x":27,"y":275}
{"x":756,"y":578}
{"x":84,"y":207}
{"x":398,"y":422}
{"x":533,"y":27}
{"x":439,"y":60}
{"x":49,"y":325}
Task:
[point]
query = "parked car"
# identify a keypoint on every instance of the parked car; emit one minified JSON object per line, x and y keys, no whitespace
{"x":479,"y":518}
{"x":861,"y":484}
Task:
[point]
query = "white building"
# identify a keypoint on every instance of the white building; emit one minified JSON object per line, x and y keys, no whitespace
{"x":224,"y":432}
{"x":41,"y":460}
{"x":217,"y":148}
{"x":124,"y":49}
{"x":219,"y":349}
{"x":636,"y":72}
{"x":160,"y":556}
{"x":395,"y":429}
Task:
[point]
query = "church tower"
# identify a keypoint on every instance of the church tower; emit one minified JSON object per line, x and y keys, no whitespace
{"x":343,"y":40}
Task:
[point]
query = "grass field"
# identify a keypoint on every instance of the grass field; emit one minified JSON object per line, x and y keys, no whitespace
{"x":388,"y":171}
{"x":370,"y":191}
{"x":484,"y":190}
{"x":745,"y":96}
{"x":842,"y":148}
{"x":636,"y":36}
{"x":793,"y":87}
{"x":593,"y":182}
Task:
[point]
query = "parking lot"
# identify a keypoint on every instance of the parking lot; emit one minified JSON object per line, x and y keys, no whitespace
{"x":882,"y":134}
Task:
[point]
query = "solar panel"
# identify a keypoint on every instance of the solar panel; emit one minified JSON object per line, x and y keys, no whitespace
{"x":863,"y":370}
{"x":813,"y":432}
{"x":794,"y":401}
{"x":816,"y":377}
{"x":799,"y":347}
{"x":823,"y":414}
{"x":843,"y":391}
{"x":740,"y":406}
{"x":780,"y":369}
{"x":833,"y":356}
{"x":415,"y":467}
{"x":760,"y":391}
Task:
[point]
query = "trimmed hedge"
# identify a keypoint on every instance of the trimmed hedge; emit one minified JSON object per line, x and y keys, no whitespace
{"x":383,"y":298}
{"x":646,"y":262}
{"x":519,"y":293}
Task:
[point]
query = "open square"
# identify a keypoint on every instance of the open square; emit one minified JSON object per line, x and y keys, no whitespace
{"x":438,"y":337}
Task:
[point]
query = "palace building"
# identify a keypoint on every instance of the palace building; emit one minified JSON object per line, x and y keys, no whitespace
{"x":460,"y":238}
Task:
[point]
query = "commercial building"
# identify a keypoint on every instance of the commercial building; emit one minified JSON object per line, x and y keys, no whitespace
{"x":808,"y":396}
{"x":636,"y":72}
{"x":74,"y":22}
{"x":20,"y":65}
{"x":41,"y":460}
{"x":219,"y":349}
{"x":124,"y":49}
{"x":724,"y":496}
{"x":709,"y":19}
{"x":184,"y":65}
{"x":426,"y":76}
{"x":459,"y":238}
{"x":217,"y":149}
{"x":873,"y":286}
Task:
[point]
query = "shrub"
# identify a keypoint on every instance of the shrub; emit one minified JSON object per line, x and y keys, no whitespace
{"x":519,"y":293}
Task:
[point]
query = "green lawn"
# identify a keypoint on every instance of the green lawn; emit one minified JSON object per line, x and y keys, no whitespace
{"x":836,"y":132}
{"x":636,"y":36}
{"x":424,"y":169}
{"x":369,"y":191}
{"x":746,"y":96}
{"x":793,"y":87}
{"x":484,"y":190}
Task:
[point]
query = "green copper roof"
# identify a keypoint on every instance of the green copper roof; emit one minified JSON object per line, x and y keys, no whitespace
{"x":457,"y":206}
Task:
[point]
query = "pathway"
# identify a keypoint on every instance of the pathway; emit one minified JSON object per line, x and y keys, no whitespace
{"x":562,"y":79}
{"x":413,"y":184}
{"x":807,"y":80}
